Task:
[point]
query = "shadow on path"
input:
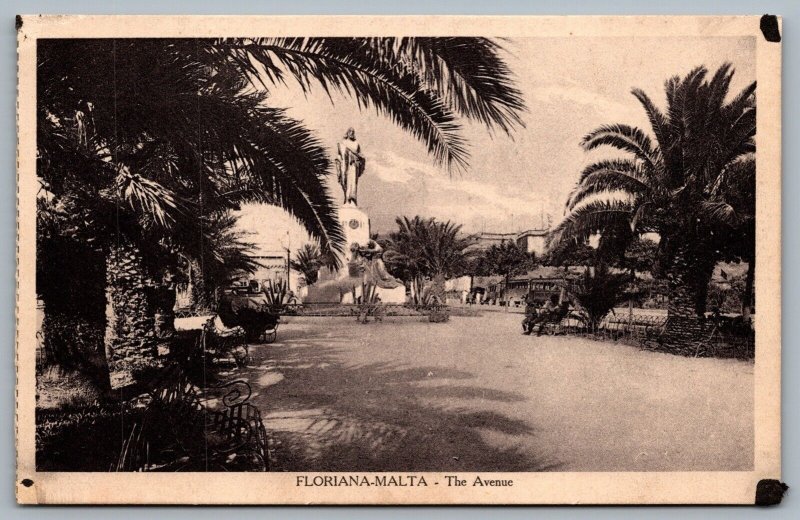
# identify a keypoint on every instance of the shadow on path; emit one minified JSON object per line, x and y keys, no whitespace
{"x":323,"y":415}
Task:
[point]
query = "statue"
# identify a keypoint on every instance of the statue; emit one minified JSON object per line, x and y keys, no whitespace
{"x":368,"y":263}
{"x":349,"y":166}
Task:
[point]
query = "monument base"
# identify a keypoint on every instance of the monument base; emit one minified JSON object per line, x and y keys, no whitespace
{"x":339,"y":286}
{"x":341,"y":289}
{"x":396,"y":295}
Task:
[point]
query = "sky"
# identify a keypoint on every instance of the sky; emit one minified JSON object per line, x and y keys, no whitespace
{"x":570,"y":85}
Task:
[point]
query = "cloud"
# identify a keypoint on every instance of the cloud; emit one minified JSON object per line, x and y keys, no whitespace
{"x":466,"y":201}
{"x":390,"y":167}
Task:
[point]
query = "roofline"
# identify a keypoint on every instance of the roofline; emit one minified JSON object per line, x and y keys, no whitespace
{"x":533,"y":232}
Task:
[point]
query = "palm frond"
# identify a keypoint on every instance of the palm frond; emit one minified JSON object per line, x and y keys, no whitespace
{"x":280,"y":163}
{"x":658,"y":121}
{"x":719,"y":212}
{"x":623,"y":137}
{"x":743,"y":100}
{"x":590,"y":218}
{"x":736,"y":188}
{"x":611,"y":175}
{"x":739,"y":136}
{"x":608,"y":183}
{"x":717,"y":89}
{"x":223,"y":252}
{"x":331,"y":64}
{"x":147,"y":198}
{"x":679,"y":93}
{"x":468,"y":73}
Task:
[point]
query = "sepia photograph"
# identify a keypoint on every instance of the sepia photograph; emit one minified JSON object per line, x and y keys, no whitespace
{"x":454,"y":259}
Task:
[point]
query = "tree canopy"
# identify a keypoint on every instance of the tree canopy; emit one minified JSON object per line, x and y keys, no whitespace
{"x":691,"y":180}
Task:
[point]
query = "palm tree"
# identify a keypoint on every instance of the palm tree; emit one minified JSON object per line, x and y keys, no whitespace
{"x":308,"y":260}
{"x":599,"y":292}
{"x":424,"y":249}
{"x":678,"y":185}
{"x":144,"y":144}
{"x":738,"y":242}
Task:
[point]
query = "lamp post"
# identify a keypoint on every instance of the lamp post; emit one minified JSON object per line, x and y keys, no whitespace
{"x":288,"y":267}
{"x":288,"y":248}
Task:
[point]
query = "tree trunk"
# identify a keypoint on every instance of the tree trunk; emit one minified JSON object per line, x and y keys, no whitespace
{"x":630,"y":299}
{"x":437,"y":289}
{"x":197,"y":283}
{"x":504,"y":296}
{"x":687,"y":277}
{"x":130,"y":338}
{"x":418,"y":290}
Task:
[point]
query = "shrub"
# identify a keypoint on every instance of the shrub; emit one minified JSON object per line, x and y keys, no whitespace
{"x":78,"y":439}
{"x":599,"y":292}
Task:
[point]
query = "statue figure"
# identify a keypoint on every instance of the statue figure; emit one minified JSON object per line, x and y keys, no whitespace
{"x":368,"y":262}
{"x":349,"y":166}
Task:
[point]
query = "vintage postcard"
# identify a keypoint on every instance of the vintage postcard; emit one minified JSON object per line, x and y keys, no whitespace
{"x":398,"y":260}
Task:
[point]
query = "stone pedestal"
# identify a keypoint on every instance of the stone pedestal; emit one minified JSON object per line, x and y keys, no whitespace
{"x":336,"y":286}
{"x":355,"y":224}
{"x":396,"y":295}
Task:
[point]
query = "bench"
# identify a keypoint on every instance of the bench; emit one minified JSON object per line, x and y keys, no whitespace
{"x":198,"y":338}
{"x":177,"y":430}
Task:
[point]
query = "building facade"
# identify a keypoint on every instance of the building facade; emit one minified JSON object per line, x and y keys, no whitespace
{"x":533,"y":241}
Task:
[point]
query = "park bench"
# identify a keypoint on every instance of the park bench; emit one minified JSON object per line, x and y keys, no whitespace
{"x":555,"y":321}
{"x":201,"y":338}
{"x":253,"y":313}
{"x":639,"y":327}
{"x":181,"y":427}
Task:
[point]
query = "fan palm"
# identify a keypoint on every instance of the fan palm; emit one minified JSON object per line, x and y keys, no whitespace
{"x":144,"y":143}
{"x":680,"y":185}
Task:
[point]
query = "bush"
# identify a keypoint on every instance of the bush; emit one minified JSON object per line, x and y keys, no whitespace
{"x":84,"y":438}
{"x":439,"y":315}
{"x":599,"y":293}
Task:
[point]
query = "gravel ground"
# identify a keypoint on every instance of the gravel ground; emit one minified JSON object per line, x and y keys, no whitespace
{"x":475,"y":394}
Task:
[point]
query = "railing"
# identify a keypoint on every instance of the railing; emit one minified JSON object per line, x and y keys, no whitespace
{"x":354,"y":309}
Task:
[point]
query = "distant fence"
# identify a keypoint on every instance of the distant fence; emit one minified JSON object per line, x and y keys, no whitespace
{"x":332,"y":310}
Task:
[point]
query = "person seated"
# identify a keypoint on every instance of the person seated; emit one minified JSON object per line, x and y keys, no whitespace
{"x":548,"y":312}
{"x":530,"y":313}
